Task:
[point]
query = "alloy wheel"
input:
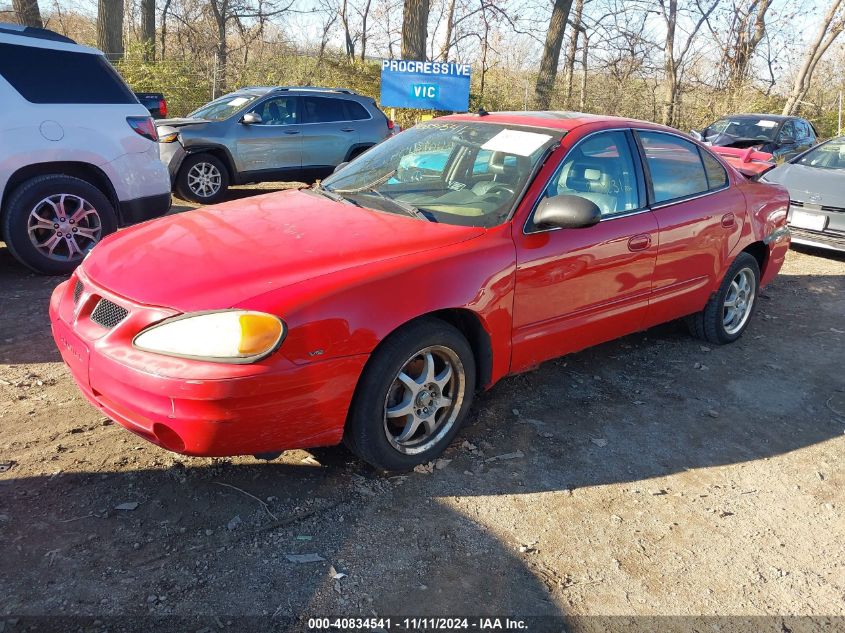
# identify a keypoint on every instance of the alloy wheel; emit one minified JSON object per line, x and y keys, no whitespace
{"x":204,"y":179}
{"x":424,"y":400}
{"x":739,"y":301}
{"x":64,"y":227}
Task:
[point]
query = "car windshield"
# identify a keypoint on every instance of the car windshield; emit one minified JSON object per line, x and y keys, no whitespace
{"x":830,"y":155}
{"x":454,"y":172}
{"x":745,"y":127}
{"x":223,"y":108}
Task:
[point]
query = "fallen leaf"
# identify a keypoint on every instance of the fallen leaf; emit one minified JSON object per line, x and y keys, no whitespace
{"x":599,"y":441}
{"x":129,"y":505}
{"x":304,"y":558}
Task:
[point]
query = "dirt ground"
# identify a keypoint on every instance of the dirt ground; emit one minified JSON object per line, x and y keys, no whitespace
{"x":650,"y":476}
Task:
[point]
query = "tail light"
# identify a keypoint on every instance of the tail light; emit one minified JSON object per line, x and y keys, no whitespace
{"x":144,"y":126}
{"x":162,"y":107}
{"x":390,"y":124}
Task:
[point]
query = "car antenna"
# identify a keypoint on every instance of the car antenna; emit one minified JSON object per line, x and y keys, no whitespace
{"x":482,"y":112}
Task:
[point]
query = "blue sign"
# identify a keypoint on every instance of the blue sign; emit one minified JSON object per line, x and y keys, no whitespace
{"x":425,"y":85}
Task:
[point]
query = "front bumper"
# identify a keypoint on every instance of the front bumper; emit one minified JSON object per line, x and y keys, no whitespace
{"x":831,"y":240}
{"x":195,"y":407}
{"x":143,"y":209}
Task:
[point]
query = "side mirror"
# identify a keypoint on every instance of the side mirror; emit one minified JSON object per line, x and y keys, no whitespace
{"x":567,"y":212}
{"x":698,"y":136}
{"x":251,"y":118}
{"x":341,"y":166}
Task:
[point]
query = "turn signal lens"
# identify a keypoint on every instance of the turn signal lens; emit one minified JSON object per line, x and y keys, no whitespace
{"x":259,"y":332}
{"x":169,"y":138}
{"x":230,"y":336}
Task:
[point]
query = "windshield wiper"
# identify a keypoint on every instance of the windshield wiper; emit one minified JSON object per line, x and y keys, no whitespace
{"x":331,"y":195}
{"x":409,"y":209}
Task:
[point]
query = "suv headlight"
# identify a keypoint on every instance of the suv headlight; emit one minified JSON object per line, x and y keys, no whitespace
{"x":229,"y":336}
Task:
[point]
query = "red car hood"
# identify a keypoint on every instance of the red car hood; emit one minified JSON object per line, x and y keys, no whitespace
{"x":222,"y":255}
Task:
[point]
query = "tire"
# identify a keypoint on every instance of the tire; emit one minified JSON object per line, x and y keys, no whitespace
{"x":369,"y":426}
{"x":196,"y":165}
{"x":712,"y":324}
{"x":80,"y":215}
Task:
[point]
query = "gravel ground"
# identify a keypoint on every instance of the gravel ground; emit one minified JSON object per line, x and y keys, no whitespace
{"x":648,"y":476}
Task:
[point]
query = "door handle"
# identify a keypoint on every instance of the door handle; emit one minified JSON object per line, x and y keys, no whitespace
{"x":291,"y":131}
{"x":728,"y":220}
{"x":639,"y":242}
{"x":347,"y":129}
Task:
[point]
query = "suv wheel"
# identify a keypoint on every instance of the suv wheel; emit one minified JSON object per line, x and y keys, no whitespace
{"x":51,"y":222}
{"x":202,"y":178}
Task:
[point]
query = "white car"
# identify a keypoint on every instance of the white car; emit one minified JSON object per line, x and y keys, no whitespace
{"x":78,"y":152}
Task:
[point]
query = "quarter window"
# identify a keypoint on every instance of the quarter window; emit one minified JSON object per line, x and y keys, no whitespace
{"x":717,"y":177}
{"x":675,"y":166}
{"x":600,"y":169}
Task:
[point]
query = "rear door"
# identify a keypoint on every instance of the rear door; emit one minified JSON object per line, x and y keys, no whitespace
{"x":275,"y":144}
{"x":328,"y":134}
{"x":700,"y":218}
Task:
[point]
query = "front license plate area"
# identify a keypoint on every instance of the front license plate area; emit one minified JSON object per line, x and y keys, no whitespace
{"x":810,"y":221}
{"x":74,"y":352}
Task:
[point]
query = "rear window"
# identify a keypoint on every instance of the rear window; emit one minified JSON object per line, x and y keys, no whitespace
{"x":44,"y":75}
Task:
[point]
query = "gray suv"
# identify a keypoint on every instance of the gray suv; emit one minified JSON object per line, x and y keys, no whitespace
{"x":267,"y":133}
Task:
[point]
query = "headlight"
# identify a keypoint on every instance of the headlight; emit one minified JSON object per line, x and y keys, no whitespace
{"x":230,"y":336}
{"x":169,"y":138}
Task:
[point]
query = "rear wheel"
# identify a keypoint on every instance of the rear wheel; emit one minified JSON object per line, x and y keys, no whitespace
{"x":51,"y":222}
{"x":729,"y":310}
{"x":202,"y":178}
{"x":412,"y":397}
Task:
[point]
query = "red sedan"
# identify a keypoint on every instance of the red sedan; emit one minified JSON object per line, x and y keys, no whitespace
{"x":371,"y":307}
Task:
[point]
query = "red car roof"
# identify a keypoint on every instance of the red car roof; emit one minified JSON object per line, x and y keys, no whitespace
{"x":549,"y":119}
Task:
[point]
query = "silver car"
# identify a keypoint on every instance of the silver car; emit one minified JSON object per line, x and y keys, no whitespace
{"x":816,"y":184}
{"x":267,"y":133}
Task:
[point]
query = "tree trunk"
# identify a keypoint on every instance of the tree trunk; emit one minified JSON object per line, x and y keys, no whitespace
{"x":148,"y":29}
{"x":221,"y":53}
{"x":670,"y":71}
{"x":28,"y":13}
{"x":828,"y":32}
{"x":551,"y":55}
{"x":164,"y":11}
{"x":110,"y":28}
{"x":582,"y":101}
{"x":450,"y":25}
{"x":364,"y":16}
{"x":415,"y":29}
{"x":571,"y":50}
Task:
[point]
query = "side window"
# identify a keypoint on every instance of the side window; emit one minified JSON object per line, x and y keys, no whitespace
{"x":804,"y":133}
{"x":43,"y":75}
{"x":788,"y":130}
{"x":600,"y":169}
{"x":717,"y":177}
{"x":322,"y":110}
{"x":675,"y":166}
{"x":354,"y":111}
{"x":277,"y":111}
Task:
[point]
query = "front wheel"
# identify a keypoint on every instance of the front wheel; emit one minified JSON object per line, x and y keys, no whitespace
{"x":729,"y":310}
{"x":202,"y":178}
{"x":413,"y":396}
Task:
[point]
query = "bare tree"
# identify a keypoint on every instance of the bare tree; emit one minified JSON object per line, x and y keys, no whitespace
{"x":551,"y":55}
{"x":569,"y":71}
{"x":674,"y":59}
{"x":28,"y":12}
{"x":829,"y":29}
{"x":110,"y":28}
{"x":415,"y":29}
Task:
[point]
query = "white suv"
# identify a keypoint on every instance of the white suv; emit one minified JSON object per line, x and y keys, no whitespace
{"x":78,"y":153}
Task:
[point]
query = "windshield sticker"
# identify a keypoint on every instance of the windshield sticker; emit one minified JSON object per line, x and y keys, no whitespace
{"x":238,"y":101}
{"x":767,"y":124}
{"x":516,"y":142}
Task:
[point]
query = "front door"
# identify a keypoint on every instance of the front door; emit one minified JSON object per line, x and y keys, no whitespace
{"x":578,"y":287}
{"x":274,"y":144}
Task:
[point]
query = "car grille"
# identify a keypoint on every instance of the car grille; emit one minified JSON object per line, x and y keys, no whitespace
{"x":108,"y":314}
{"x":798,"y":203}
{"x":77,"y":292}
{"x":827,"y":237}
